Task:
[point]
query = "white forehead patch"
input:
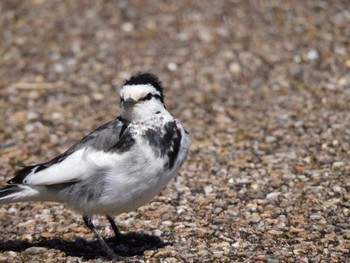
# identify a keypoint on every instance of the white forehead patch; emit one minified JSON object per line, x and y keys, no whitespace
{"x":137,"y":92}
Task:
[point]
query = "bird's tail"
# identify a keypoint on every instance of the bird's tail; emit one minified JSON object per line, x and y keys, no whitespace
{"x":12,"y":193}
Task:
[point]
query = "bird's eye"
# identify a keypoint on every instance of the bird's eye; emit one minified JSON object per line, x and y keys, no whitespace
{"x":149,"y":96}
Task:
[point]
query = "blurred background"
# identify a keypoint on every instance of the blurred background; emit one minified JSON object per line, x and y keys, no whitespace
{"x":263,"y":86}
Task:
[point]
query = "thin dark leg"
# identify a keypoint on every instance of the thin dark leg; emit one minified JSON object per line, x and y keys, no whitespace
{"x":114,"y":226}
{"x":90,"y":225}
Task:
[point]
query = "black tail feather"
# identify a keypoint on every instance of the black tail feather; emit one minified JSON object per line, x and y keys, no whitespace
{"x":9,"y":189}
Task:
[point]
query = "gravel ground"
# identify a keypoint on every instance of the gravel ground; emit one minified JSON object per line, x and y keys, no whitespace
{"x":263,"y":86}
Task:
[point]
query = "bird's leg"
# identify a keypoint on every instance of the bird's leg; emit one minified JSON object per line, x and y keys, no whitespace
{"x":114,"y":226}
{"x":130,"y":240}
{"x":90,"y":225}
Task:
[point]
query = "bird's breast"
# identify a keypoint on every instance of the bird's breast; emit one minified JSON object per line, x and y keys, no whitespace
{"x":164,"y":141}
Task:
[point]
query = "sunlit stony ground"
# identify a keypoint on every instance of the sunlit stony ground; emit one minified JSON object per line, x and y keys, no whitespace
{"x":263,"y":86}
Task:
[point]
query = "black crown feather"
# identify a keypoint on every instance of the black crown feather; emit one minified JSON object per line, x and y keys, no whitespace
{"x":146,"y":78}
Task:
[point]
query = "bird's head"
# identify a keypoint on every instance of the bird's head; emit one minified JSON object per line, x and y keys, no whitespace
{"x":141,"y":97}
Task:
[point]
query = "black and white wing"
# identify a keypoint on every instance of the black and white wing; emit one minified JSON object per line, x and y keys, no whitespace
{"x":79,"y":161}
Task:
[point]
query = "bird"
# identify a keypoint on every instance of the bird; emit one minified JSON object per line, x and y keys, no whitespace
{"x":117,"y":167}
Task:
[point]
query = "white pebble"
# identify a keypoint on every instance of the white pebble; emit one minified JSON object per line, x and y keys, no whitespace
{"x":59,"y":68}
{"x":313,"y":54}
{"x":270,"y":139}
{"x":236,"y":245}
{"x":335,"y":142}
{"x":157,"y":232}
{"x":167,"y":223}
{"x":180,"y":211}
{"x":235,"y":68}
{"x":12,"y":210}
{"x":127,"y":27}
{"x":98,"y":96}
{"x":29,"y":128}
{"x":11,"y":253}
{"x":172,"y":66}
{"x":337,"y":165}
{"x":272,"y":196}
{"x":56,"y":115}
{"x":31,"y":115}
{"x":208,"y":189}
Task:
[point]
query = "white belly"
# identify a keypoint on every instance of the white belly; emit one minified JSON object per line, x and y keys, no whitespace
{"x":126,"y":191}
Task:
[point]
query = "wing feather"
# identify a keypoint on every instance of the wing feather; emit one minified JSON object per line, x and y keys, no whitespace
{"x":72,"y":165}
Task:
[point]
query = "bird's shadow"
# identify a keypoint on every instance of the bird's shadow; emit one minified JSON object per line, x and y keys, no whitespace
{"x":126,"y":245}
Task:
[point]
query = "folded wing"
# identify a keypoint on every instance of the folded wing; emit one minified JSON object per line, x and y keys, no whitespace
{"x":78,"y":162}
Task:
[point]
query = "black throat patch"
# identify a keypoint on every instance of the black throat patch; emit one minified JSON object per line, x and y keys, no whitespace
{"x":165,"y":143}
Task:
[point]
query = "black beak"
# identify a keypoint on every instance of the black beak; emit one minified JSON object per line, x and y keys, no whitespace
{"x":128,"y":103}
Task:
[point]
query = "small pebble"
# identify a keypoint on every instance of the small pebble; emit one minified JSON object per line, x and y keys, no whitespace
{"x":338,"y":165}
{"x":272,"y":196}
{"x":172,"y":66}
{"x":208,"y":190}
{"x":235,"y":68}
{"x":313,"y":54}
{"x":127,"y":27}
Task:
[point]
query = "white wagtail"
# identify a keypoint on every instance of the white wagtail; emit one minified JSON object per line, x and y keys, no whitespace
{"x":116,"y":168}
